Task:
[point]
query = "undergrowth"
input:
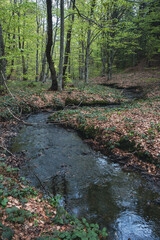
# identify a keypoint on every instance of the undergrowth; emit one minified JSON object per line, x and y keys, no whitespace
{"x":15,"y":197}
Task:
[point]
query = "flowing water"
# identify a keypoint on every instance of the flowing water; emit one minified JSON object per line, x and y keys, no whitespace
{"x":90,"y":184}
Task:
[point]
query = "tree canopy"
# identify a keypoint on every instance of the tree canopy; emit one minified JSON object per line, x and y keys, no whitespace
{"x":99,"y":37}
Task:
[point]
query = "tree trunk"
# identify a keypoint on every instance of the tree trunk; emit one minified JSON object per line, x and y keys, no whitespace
{"x":24,"y":63}
{"x":54,"y":85}
{"x":56,"y":28}
{"x":14,"y":37}
{"x":54,"y":41}
{"x":37,"y":52}
{"x":83,"y":61}
{"x":68,"y":44}
{"x":109,"y":64}
{"x":103,"y":55}
{"x":2,"y":61}
{"x":88,"y":44}
{"x":104,"y":59}
{"x":80,"y":64}
{"x":21,"y":47}
{"x":42,"y":75}
{"x":61,"y":45}
{"x":87,"y":56}
{"x":43,"y":56}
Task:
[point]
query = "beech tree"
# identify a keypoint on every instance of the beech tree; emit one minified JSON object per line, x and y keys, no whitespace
{"x":99,"y":37}
{"x":61,"y":45}
{"x":68,"y":42}
{"x":93,"y":3}
{"x":54,"y":85}
{"x":2,"y":60}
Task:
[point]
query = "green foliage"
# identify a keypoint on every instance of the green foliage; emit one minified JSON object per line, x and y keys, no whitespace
{"x":126,"y":31}
{"x":17,"y":215}
{"x":6,"y":232}
{"x":126,"y":144}
{"x":3,"y":202}
{"x":88,"y":131}
{"x":146,"y":157}
{"x":81,"y":228}
{"x":9,"y":187}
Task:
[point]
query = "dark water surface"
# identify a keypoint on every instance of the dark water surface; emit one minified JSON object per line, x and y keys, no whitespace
{"x":91,"y":185}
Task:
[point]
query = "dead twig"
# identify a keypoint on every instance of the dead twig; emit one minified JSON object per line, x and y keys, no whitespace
{"x":46,"y":191}
{"x":16,"y":100}
{"x":22,"y":121}
{"x":4,"y":148}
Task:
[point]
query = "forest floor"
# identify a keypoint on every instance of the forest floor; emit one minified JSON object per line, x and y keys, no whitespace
{"x":120,"y":118}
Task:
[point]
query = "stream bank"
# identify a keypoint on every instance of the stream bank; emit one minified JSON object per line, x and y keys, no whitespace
{"x":90,"y":184}
{"x":110,"y":131}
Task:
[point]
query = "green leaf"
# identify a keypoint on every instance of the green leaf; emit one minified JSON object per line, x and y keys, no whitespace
{"x":4,"y":202}
{"x":7,"y":233}
{"x":20,"y":220}
{"x":11,"y":210}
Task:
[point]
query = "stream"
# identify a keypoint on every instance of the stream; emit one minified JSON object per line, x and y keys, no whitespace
{"x":91,"y":185}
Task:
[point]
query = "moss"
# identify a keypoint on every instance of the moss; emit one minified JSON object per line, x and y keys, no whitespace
{"x":70,"y":101}
{"x":87,"y":131}
{"x":146,"y":157}
{"x":125,"y":144}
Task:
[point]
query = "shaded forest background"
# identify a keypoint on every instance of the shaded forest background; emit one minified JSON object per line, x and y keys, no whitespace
{"x":100,"y":37}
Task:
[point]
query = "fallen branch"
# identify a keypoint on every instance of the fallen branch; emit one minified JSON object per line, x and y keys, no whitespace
{"x":22,"y":121}
{"x":7,"y":88}
{"x":9,"y":110}
{"x":4,"y":148}
{"x":46,"y":191}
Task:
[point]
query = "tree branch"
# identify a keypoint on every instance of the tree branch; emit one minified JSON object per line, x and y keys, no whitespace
{"x":89,"y":19}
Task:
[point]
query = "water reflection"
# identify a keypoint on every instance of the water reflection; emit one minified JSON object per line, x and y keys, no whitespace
{"x":91,"y":185}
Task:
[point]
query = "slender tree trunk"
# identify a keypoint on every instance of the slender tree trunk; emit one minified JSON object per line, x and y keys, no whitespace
{"x":24,"y":63}
{"x":61,"y":45}
{"x":104,"y":59}
{"x":14,"y":37}
{"x":68,"y":44}
{"x":80,"y":64}
{"x":88,"y":44}
{"x":2,"y":61}
{"x":12,"y":69}
{"x":54,"y":85}
{"x":83,"y":60}
{"x":109,"y":64}
{"x":87,"y":56}
{"x":37,"y":59}
{"x":104,"y":55}
{"x":21,"y":46}
{"x":103,"y":66}
{"x":42,"y":75}
{"x":56,"y":28}
{"x":37,"y":52}
{"x":43,"y":56}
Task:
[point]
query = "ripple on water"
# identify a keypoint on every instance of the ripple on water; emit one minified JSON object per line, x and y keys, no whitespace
{"x":90,"y":184}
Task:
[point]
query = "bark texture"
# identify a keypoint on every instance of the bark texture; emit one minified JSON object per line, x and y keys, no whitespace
{"x":68,"y":44}
{"x":88,"y":44}
{"x":2,"y":60}
{"x":54,"y":85}
{"x":61,"y":45}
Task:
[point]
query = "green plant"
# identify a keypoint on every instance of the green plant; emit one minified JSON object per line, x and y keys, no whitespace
{"x":126,"y":144}
{"x":6,"y":232}
{"x":17,"y":215}
{"x":81,"y":228}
